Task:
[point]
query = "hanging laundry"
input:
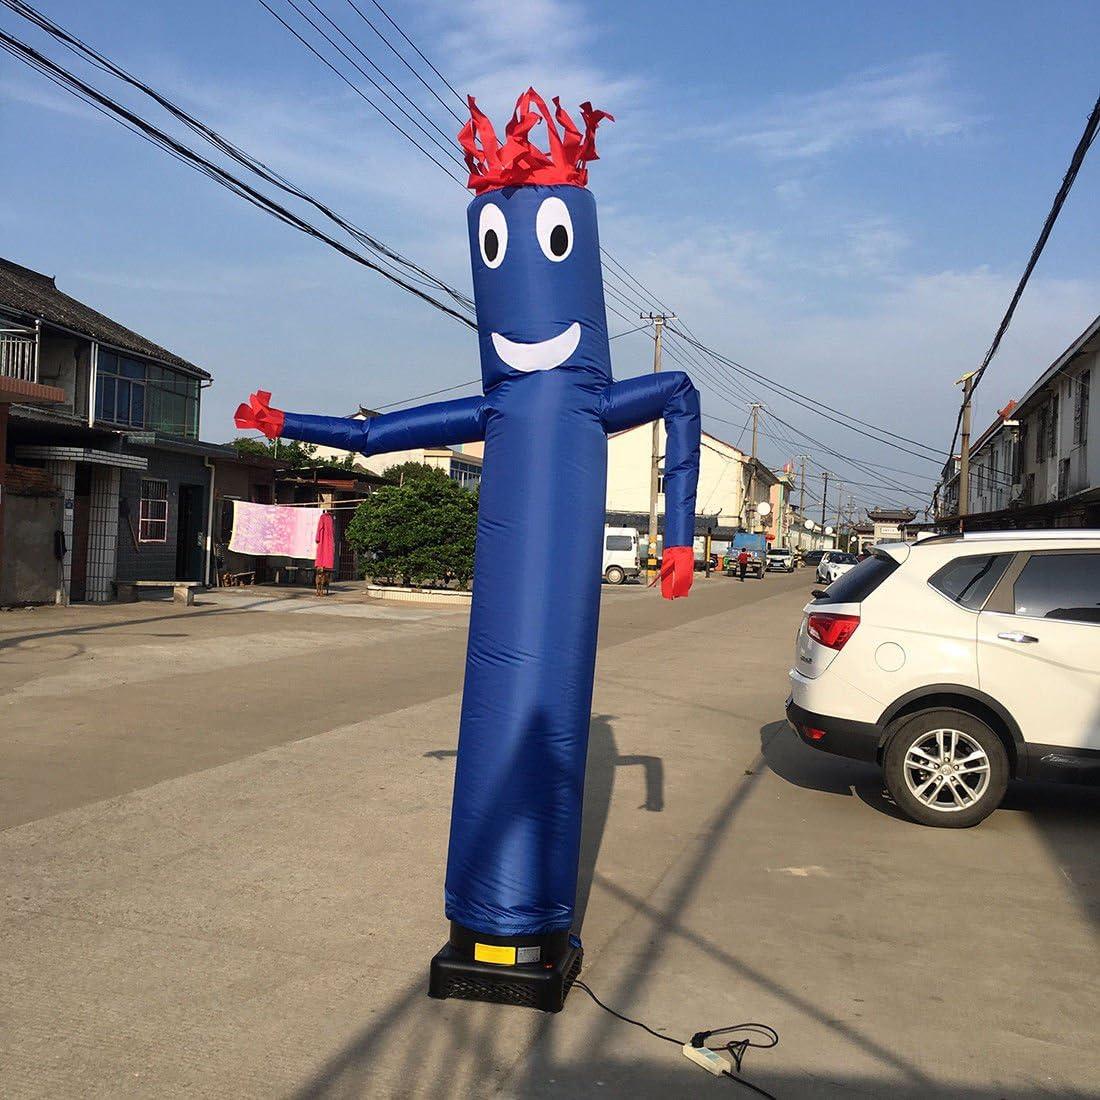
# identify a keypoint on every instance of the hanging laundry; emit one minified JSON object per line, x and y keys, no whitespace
{"x":326,"y":542}
{"x":274,"y":530}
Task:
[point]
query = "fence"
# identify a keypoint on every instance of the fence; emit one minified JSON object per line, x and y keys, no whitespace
{"x":18,"y":355}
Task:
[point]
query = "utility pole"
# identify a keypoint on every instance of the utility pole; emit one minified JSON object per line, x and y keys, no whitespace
{"x":802,"y":486}
{"x":755,"y":408}
{"x":658,"y":320}
{"x":967,"y":383}
{"x":824,"y":497}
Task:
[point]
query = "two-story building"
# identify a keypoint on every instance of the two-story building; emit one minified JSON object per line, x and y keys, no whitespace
{"x":1032,"y":467}
{"x":993,"y":463}
{"x":129,"y":485}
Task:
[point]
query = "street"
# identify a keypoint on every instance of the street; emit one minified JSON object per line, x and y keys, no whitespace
{"x":225,"y":829}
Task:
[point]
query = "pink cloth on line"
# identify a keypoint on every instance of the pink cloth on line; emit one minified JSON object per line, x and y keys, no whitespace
{"x":326,"y":542}
{"x":274,"y":530}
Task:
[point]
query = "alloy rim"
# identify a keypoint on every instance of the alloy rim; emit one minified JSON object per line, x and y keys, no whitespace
{"x":946,"y":770}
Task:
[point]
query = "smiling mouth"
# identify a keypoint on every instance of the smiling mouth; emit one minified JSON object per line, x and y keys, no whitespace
{"x":545,"y":355}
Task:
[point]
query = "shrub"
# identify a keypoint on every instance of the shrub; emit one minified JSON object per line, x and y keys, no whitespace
{"x":419,"y":532}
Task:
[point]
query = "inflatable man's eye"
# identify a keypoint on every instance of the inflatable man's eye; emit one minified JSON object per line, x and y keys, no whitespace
{"x":554,"y":229}
{"x":492,"y":232}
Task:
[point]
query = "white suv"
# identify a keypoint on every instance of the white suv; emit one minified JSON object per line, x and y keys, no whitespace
{"x":834,"y":564}
{"x":958,"y":663}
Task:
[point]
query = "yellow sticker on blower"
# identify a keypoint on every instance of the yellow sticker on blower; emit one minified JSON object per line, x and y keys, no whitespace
{"x":491,"y":953}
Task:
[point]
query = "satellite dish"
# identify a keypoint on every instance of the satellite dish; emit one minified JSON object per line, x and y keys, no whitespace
{"x":763,"y":508}
{"x":828,"y":530}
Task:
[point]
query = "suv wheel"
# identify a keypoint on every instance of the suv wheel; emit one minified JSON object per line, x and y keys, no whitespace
{"x":614,"y":575}
{"x":946,"y":768}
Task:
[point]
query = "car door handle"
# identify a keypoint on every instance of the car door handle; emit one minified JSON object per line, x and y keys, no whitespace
{"x":1017,"y":636}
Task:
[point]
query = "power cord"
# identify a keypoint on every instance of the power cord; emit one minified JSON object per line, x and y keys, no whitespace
{"x":736,"y":1048}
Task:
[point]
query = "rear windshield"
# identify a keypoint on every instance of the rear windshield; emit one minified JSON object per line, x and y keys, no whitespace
{"x":858,"y":583}
{"x":969,"y":580}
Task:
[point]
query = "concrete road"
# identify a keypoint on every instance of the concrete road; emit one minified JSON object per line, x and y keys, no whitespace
{"x":223,"y":846}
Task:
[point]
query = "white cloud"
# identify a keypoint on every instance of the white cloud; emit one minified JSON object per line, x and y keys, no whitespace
{"x":910,"y":101}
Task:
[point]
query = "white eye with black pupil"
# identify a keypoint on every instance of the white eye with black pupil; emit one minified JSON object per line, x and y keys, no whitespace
{"x":554,"y":229}
{"x":492,"y":235}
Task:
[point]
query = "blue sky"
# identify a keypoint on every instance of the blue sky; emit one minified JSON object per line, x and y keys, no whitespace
{"x":839,"y":196}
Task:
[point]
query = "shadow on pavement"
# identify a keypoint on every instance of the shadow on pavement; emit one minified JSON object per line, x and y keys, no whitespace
{"x":98,"y":627}
{"x":599,"y":785}
{"x":1066,"y":816}
{"x":467,"y":1045}
{"x":815,"y":770}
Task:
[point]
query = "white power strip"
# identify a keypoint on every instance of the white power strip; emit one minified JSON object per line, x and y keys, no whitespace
{"x":710,"y":1060}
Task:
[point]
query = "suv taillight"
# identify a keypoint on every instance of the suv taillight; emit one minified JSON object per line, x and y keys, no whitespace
{"x":832,"y":631}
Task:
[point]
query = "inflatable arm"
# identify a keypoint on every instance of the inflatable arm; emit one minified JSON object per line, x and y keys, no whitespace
{"x":672,"y":397}
{"x":436,"y":425}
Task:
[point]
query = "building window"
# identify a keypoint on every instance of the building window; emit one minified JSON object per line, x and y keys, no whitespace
{"x":465,"y":473}
{"x":143,"y":395}
{"x":153,"y":513}
{"x":1041,"y":435}
{"x":1063,"y":478}
{"x":120,"y":390}
{"x":1081,"y":407}
{"x":1052,"y":427}
{"x":173,"y":402}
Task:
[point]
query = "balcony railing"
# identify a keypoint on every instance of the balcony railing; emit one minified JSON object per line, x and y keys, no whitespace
{"x":18,"y":354}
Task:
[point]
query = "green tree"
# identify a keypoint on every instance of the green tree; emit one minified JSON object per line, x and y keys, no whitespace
{"x":403,"y":472}
{"x":419,"y":532}
{"x":291,"y":453}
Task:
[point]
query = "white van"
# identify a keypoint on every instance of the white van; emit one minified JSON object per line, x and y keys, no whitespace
{"x":620,"y":554}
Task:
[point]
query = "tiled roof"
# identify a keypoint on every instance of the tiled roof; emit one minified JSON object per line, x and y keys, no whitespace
{"x":30,"y":293}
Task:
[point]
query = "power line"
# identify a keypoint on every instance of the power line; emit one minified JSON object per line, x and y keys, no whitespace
{"x":355,"y":88}
{"x":89,"y":53}
{"x":85,"y":92}
{"x":814,"y":404}
{"x":446,"y":146}
{"x":402,"y":59}
{"x":1092,"y":126}
{"x":431,"y":393}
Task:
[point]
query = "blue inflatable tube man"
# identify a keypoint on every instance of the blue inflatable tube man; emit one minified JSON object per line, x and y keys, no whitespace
{"x":548,"y":406}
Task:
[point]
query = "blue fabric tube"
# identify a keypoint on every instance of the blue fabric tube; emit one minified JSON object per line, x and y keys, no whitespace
{"x":548,"y":405}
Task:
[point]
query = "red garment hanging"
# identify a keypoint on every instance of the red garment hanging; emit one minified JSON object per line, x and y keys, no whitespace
{"x":326,"y":542}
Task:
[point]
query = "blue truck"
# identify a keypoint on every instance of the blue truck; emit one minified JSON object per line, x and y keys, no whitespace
{"x":756,"y":545}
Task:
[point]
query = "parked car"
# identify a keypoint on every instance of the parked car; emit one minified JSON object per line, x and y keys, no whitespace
{"x":956,"y":664}
{"x":620,"y":554}
{"x":833,"y":564}
{"x":780,"y":560}
{"x":812,"y":557}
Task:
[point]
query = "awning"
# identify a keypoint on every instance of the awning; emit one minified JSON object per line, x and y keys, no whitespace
{"x":81,"y":454}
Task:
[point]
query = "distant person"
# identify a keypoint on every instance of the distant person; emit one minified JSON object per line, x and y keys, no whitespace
{"x":742,"y":563}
